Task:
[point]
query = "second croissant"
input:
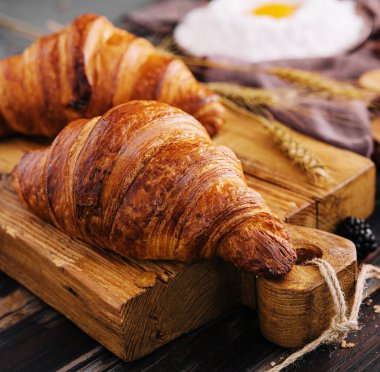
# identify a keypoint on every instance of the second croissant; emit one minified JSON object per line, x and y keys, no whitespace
{"x":87,"y":68}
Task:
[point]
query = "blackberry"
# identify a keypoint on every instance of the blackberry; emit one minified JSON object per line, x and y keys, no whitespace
{"x":360,"y":233}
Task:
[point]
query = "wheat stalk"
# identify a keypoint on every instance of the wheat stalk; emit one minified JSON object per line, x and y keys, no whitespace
{"x":245,"y":96}
{"x":288,"y":99}
{"x":309,"y":80}
{"x":167,"y":46}
{"x":317,"y":83}
{"x":283,"y":137}
{"x":250,"y":100}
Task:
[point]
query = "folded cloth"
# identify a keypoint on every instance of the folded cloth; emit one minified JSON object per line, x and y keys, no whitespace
{"x":342,"y":124}
{"x":346,"y":125}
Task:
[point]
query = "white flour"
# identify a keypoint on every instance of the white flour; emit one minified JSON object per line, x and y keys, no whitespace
{"x":318,"y":28}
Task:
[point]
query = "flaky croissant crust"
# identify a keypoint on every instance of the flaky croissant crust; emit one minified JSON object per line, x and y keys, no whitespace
{"x":87,"y":68}
{"x":145,"y":180}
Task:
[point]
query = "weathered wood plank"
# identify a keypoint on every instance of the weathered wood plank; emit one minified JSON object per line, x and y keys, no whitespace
{"x":44,"y":338}
{"x":16,"y":306}
{"x":105,"y":294}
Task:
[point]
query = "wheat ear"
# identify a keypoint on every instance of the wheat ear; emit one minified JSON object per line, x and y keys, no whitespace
{"x":283,"y":137}
{"x":317,"y":83}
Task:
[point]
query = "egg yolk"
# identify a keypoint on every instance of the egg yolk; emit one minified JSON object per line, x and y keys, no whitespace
{"x":275,"y":10}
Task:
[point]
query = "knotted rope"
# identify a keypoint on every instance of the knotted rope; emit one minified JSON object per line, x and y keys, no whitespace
{"x":341,"y":324}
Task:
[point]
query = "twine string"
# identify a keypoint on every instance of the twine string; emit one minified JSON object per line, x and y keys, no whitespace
{"x":341,"y":323}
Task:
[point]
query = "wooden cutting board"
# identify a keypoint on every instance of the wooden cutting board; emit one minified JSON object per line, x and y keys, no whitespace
{"x":288,"y":190}
{"x":132,"y":307}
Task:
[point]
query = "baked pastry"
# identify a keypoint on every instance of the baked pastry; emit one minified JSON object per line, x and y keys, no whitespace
{"x":145,"y":180}
{"x":87,"y":68}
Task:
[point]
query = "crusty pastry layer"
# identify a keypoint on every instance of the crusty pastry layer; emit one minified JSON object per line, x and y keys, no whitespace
{"x":145,"y":180}
{"x":87,"y":68}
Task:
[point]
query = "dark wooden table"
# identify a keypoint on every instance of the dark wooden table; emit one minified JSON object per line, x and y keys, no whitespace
{"x":33,"y":337}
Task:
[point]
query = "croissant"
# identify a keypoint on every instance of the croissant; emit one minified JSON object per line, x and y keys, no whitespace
{"x":146,"y":181}
{"x":87,"y":68}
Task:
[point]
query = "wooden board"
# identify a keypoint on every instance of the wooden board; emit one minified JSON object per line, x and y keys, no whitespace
{"x":352,"y":191}
{"x":132,"y":307}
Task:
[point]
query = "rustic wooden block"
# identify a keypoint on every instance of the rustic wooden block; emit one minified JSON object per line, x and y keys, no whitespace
{"x":130,"y":306}
{"x":295,"y":309}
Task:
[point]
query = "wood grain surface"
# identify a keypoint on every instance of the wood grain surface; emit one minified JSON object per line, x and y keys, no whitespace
{"x":133,"y":307}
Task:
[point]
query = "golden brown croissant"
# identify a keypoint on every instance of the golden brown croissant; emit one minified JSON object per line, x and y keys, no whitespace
{"x":87,"y":68}
{"x":145,"y":180}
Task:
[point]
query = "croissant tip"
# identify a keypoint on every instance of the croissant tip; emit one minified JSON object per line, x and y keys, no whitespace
{"x":254,"y":249}
{"x":280,"y":269}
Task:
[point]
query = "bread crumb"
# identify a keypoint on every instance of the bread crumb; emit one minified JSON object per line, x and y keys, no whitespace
{"x":376,"y":309}
{"x":146,"y":279}
{"x":369,"y":301}
{"x":344,"y":344}
{"x":272,"y":364}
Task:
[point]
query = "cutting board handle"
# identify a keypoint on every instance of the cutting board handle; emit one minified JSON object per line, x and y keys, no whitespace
{"x":296,"y":309}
